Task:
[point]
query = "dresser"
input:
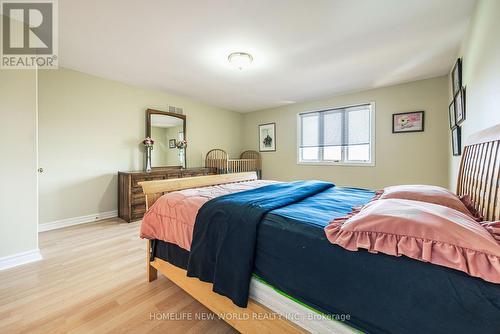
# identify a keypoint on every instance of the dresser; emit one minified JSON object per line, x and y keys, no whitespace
{"x":131,"y":200}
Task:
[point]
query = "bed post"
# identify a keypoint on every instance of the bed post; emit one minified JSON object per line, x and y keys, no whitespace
{"x":152,"y":272}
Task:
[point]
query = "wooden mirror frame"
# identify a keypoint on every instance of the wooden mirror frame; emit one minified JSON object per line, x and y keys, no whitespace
{"x":149,"y":113}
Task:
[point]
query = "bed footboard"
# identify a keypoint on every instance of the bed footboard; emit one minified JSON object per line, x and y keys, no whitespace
{"x":252,"y":319}
{"x":155,"y":189}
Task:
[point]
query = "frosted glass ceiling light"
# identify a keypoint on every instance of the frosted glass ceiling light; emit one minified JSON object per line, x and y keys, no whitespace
{"x":240,"y":60}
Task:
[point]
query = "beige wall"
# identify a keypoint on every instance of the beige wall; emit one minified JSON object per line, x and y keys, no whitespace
{"x":90,"y":128}
{"x":18,"y":179}
{"x":481,"y":73}
{"x":400,"y":158}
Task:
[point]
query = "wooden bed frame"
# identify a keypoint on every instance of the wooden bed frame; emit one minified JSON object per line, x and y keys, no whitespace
{"x":267,"y":321}
{"x":479,"y":177}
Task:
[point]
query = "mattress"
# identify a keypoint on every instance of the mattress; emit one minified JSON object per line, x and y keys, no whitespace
{"x":380,"y":293}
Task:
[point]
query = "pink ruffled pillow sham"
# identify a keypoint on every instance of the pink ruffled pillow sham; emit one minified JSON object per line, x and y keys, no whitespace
{"x":426,"y":193}
{"x":422,"y":231}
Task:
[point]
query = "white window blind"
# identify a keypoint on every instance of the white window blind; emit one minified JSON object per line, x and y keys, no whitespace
{"x":336,"y":135}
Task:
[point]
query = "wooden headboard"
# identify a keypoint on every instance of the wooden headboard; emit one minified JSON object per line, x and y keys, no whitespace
{"x":479,"y":175}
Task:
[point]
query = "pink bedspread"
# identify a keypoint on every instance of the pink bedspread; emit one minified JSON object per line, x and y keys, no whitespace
{"x":172,"y":217}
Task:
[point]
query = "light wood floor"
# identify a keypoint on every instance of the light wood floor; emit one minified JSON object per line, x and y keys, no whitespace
{"x":92,"y":279}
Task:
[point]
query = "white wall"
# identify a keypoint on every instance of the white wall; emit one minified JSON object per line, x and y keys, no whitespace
{"x":90,"y":128}
{"x":18,"y":178}
{"x":400,"y":158}
{"x":480,"y":53}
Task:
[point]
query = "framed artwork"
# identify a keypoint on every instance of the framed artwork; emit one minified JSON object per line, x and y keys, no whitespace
{"x":267,"y":137}
{"x":451,"y":115}
{"x":456,"y":142}
{"x":408,"y":122}
{"x":456,"y":76}
{"x":459,"y":102}
{"x":172,"y":143}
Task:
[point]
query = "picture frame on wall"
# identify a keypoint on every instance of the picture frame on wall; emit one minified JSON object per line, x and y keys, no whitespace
{"x":456,"y":140}
{"x":456,"y":76}
{"x":451,"y":115}
{"x":267,"y":137}
{"x":408,"y":122}
{"x":459,"y":102}
{"x":172,"y":143}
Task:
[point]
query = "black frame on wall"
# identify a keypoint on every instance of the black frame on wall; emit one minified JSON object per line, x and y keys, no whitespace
{"x":456,"y":141}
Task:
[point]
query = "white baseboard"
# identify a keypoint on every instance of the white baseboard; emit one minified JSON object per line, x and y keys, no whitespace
{"x":20,"y":258}
{"x":77,"y":220}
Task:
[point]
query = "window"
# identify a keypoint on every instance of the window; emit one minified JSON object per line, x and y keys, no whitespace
{"x":337,"y":136}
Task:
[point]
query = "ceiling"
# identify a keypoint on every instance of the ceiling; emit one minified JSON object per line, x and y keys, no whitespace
{"x":303,"y":50}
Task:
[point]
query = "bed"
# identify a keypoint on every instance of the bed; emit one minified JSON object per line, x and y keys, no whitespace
{"x":400,"y":287}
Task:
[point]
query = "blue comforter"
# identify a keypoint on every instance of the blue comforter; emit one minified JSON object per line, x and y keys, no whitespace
{"x":225,"y":233}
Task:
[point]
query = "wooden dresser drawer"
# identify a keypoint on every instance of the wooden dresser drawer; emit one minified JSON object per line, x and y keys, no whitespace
{"x":131,"y":200}
{"x":136,"y":190}
{"x":138,"y":198}
{"x":139,"y":208}
{"x":137,"y":179}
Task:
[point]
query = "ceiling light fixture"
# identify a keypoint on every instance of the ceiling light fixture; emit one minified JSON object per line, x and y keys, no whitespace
{"x":240,"y":59}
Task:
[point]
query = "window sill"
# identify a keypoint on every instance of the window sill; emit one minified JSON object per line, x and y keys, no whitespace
{"x":332,"y":163}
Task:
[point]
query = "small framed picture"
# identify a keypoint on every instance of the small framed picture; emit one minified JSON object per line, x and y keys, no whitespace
{"x":451,"y":115}
{"x":456,"y":142}
{"x":459,"y":102}
{"x":456,"y":76}
{"x":172,"y":143}
{"x":267,"y":137}
{"x":408,"y":122}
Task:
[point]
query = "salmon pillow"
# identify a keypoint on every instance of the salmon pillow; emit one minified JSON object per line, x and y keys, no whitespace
{"x":425,"y":193}
{"x":422,"y":231}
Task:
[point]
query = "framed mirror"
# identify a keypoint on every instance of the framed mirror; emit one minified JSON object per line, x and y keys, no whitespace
{"x":166,"y":129}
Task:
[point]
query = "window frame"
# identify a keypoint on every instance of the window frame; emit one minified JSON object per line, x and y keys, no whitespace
{"x":343,"y":162}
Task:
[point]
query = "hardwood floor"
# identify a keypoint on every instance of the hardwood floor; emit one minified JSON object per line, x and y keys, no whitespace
{"x":92,"y":279}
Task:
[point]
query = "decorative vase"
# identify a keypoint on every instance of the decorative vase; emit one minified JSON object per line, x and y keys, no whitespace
{"x":182,"y":153}
{"x":148,"y":158}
